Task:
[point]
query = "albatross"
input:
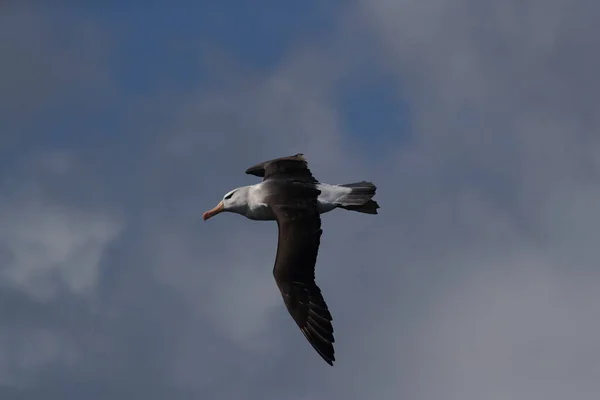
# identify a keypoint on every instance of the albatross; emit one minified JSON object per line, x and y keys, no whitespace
{"x":290,"y":195}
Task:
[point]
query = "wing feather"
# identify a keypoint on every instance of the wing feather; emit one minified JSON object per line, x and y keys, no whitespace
{"x":293,"y":200}
{"x":290,"y":167}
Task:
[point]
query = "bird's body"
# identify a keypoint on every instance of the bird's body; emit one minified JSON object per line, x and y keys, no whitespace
{"x":290,"y":195}
{"x":257,"y":207}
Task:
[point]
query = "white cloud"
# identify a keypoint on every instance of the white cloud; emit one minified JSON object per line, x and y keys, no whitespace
{"x":48,"y":247}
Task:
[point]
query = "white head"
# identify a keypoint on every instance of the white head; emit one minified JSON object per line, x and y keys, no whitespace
{"x":234,"y":201}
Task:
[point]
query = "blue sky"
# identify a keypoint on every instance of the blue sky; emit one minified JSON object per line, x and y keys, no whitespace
{"x":169,"y":48}
{"x":121,"y":124}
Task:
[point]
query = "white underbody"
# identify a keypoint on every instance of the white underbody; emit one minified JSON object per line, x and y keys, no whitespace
{"x":258,"y":210}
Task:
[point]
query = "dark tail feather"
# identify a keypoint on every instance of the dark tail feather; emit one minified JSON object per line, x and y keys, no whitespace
{"x":359,"y":199}
{"x":370,"y":207}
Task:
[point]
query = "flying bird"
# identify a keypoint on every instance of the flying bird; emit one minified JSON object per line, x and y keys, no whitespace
{"x":290,"y":195}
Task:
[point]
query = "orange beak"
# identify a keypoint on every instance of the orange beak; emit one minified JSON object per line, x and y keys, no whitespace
{"x":211,"y":213}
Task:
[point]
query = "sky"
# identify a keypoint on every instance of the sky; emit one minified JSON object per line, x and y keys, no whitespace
{"x":121,"y":124}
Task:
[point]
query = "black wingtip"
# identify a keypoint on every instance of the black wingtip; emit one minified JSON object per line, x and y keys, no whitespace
{"x":318,"y":328}
{"x":323,"y":348}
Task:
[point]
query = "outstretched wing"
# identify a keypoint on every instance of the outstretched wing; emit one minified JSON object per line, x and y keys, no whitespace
{"x":295,"y":207}
{"x":291,"y":167}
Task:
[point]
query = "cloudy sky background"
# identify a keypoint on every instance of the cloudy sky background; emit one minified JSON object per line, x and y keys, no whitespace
{"x":478,"y":120}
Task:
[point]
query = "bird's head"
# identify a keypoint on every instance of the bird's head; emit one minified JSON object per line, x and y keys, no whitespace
{"x":234,"y":201}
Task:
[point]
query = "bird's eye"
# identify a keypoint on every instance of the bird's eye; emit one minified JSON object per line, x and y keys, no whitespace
{"x":228,"y":196}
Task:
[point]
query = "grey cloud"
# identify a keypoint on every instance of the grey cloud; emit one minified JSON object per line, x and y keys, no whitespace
{"x":504,"y":104}
{"x":520,"y":331}
{"x":476,"y":280}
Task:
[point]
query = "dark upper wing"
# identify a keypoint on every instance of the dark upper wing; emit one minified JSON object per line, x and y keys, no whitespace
{"x":294,"y":167}
{"x":294,"y":206}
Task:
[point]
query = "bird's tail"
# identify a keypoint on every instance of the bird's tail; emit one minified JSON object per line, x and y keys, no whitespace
{"x":359,"y":198}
